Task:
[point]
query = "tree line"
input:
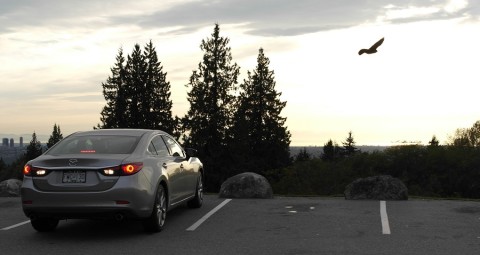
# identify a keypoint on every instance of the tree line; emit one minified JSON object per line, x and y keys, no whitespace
{"x":451,"y":170}
{"x":235,"y":127}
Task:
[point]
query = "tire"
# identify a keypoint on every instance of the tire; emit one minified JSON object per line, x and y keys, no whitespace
{"x":197,"y":201}
{"x":156,"y":221}
{"x":44,"y":224}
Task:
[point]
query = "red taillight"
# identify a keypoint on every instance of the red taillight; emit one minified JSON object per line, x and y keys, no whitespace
{"x":132,"y":168}
{"x":27,"y":170}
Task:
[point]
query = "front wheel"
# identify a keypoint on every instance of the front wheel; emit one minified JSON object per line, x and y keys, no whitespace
{"x":197,"y":201}
{"x":156,"y":221}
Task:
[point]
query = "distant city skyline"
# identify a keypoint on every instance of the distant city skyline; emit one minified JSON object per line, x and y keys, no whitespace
{"x":10,"y":142}
{"x":26,"y":138}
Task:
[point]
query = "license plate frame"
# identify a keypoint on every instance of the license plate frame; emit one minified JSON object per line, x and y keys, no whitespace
{"x":74,"y":176}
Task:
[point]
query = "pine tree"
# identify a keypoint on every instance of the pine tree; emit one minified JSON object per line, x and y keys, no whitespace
{"x":55,"y":137}
{"x":137,"y":93}
{"x":303,"y":155}
{"x":267,"y":140}
{"x":211,"y":98}
{"x":34,"y":149}
{"x":434,"y":142}
{"x":349,"y":145}
{"x":331,"y":151}
{"x":157,"y":106}
{"x":113,"y":113}
{"x":135,"y":89}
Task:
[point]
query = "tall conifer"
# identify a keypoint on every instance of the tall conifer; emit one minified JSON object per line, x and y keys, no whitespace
{"x":55,"y":137}
{"x":157,"y":105}
{"x":135,"y":89}
{"x":259,"y":127}
{"x":137,"y":93}
{"x":349,"y":145}
{"x":34,"y":149}
{"x":112,"y":115}
{"x":212,"y":98}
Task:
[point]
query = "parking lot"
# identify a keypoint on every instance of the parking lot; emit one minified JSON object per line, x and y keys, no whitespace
{"x":283,"y":225}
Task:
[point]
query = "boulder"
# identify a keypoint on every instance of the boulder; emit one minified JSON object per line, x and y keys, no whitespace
{"x":382,"y":187}
{"x":246,"y":185}
{"x":10,"y":188}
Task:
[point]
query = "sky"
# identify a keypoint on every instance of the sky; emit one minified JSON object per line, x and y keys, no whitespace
{"x":422,"y":82}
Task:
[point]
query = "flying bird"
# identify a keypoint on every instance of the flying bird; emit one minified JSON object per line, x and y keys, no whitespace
{"x":372,"y":49}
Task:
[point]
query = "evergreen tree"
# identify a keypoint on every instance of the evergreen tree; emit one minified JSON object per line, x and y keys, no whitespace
{"x":349,"y":145}
{"x":434,"y":142}
{"x":331,"y":151}
{"x":55,"y":137}
{"x":34,"y":149}
{"x":113,"y":113}
{"x":137,"y":93}
{"x":258,"y":124}
{"x":156,"y":103}
{"x":135,"y":88}
{"x":211,"y":98}
{"x":303,"y":155}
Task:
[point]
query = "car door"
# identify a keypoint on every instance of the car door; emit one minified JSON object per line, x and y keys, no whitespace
{"x":171,"y":167}
{"x":184,"y":178}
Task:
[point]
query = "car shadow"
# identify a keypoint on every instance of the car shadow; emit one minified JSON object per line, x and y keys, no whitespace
{"x":109,"y":230}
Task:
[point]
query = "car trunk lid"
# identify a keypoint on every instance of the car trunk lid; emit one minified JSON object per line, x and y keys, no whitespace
{"x":76,"y":172}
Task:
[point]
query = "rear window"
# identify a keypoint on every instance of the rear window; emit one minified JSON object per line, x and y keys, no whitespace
{"x":98,"y":144}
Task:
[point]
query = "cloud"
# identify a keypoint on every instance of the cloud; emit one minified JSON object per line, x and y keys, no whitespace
{"x":290,"y":18}
{"x":436,"y":10}
{"x":454,"y":6}
{"x":264,"y":18}
{"x":267,"y":18}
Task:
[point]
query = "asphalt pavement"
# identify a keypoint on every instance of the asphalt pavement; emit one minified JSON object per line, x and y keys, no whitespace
{"x":283,"y":225}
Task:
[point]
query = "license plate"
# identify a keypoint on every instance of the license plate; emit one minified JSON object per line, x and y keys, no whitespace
{"x":74,"y":177}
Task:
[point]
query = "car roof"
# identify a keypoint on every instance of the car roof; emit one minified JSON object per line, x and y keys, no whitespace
{"x":118,"y":131}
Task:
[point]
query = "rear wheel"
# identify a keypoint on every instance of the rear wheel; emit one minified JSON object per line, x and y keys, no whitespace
{"x":44,"y":224}
{"x":156,"y":221}
{"x":197,"y":201}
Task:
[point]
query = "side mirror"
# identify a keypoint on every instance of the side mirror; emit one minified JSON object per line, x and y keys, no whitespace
{"x":191,"y":152}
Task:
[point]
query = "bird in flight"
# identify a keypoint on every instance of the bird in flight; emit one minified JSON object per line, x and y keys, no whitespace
{"x":372,"y":49}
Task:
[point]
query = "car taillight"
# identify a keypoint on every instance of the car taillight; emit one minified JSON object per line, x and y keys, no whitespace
{"x":125,"y":169}
{"x":29,"y":170}
{"x":131,"y":168}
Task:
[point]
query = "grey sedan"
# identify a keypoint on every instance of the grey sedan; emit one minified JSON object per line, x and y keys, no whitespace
{"x":111,"y":173}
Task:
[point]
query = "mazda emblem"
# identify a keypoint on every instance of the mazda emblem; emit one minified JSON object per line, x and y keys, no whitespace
{"x":72,"y":162}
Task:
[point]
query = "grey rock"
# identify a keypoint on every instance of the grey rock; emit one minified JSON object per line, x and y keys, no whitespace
{"x":10,"y":188}
{"x":382,"y":187}
{"x":246,"y":185}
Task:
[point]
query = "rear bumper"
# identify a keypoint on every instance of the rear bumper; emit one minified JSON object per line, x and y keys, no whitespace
{"x":122,"y":199}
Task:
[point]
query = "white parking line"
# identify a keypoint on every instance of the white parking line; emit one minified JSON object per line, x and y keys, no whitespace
{"x":204,"y":218}
{"x":384,"y":218}
{"x":16,"y":225}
